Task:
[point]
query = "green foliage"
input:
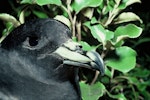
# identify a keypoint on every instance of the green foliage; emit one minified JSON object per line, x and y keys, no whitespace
{"x":100,"y":25}
{"x":92,"y":92}
{"x":78,"y":5}
{"x":41,"y":2}
{"x":99,"y":33}
{"x":121,"y":63}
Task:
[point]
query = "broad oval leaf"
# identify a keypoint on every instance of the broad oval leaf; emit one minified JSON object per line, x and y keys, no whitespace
{"x":92,"y":92}
{"x":127,"y":17}
{"x":128,"y":31}
{"x":126,"y":60}
{"x":99,"y":33}
{"x":129,"y":2}
{"x":63,"y":19}
{"x":78,"y":5}
{"x":44,"y":2}
{"x":126,"y":3}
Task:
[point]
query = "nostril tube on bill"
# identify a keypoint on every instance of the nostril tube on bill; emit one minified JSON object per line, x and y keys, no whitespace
{"x":79,"y":49}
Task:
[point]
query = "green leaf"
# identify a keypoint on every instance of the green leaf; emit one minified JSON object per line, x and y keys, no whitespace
{"x":129,"y":2}
{"x":99,"y":33}
{"x":126,"y":3}
{"x":74,"y":39}
{"x":133,"y":80}
{"x":138,"y":73}
{"x":88,"y":13}
{"x":126,"y":60}
{"x":92,"y":92}
{"x":117,"y":96}
{"x":127,"y":17}
{"x":108,"y":72}
{"x":63,"y":19}
{"x":86,"y":46}
{"x":146,"y":94}
{"x":143,"y":85}
{"x":44,"y":2}
{"x":78,"y":5}
{"x":128,"y":31}
{"x":9,"y":28}
{"x":40,"y":14}
{"x":27,"y":2}
{"x":9,"y":18}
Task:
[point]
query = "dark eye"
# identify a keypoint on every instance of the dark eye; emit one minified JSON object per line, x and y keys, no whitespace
{"x":33,"y":41}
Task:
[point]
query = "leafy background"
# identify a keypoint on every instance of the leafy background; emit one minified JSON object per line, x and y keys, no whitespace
{"x":117,"y":29}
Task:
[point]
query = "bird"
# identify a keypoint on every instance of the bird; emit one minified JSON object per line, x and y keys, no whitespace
{"x":40,"y":61}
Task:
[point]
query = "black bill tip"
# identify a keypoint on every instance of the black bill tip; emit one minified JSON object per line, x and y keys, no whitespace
{"x":75,"y":56}
{"x":97,"y":62}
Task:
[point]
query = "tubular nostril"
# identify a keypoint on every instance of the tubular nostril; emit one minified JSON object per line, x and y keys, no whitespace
{"x":78,"y":47}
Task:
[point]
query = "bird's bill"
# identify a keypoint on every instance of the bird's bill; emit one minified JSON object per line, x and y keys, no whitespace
{"x":74,"y":55}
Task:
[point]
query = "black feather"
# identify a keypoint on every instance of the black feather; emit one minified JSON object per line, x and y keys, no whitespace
{"x":38,"y":61}
{"x":27,"y":73}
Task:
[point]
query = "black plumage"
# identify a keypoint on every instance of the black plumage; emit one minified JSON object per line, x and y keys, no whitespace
{"x":37,"y":59}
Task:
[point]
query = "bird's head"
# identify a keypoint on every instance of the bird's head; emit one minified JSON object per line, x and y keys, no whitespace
{"x":48,"y":40}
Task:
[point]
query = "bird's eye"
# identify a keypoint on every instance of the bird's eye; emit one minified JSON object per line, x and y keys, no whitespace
{"x":33,"y":41}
